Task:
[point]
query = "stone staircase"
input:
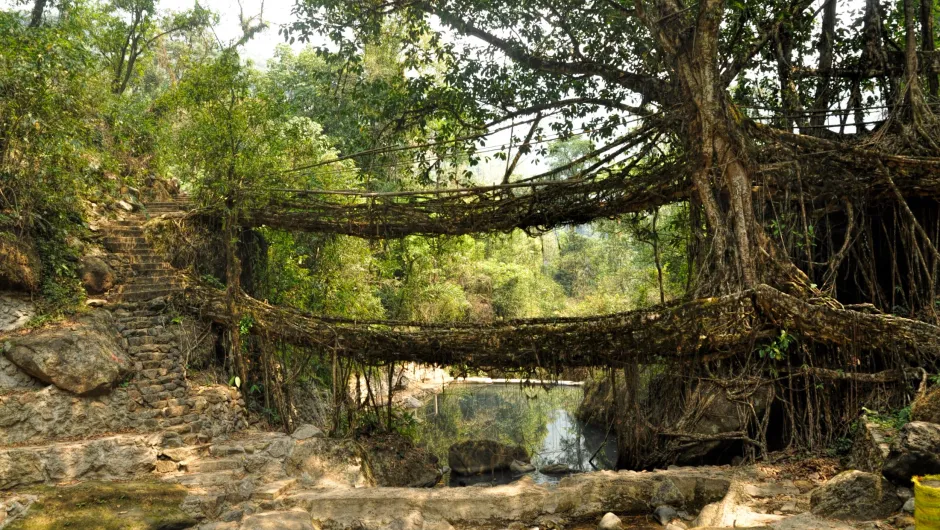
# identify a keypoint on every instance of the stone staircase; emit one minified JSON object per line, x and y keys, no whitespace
{"x":152,"y":276}
{"x":230,"y":479}
{"x":139,"y":308}
{"x":159,"y":382}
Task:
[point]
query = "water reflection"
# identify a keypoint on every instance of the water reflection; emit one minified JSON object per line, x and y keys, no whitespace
{"x":541,"y":420}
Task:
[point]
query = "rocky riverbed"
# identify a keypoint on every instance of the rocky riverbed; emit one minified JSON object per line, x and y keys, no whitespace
{"x":260,"y":480}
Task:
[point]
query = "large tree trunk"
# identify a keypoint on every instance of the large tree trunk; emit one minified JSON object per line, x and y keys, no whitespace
{"x":722,"y":172}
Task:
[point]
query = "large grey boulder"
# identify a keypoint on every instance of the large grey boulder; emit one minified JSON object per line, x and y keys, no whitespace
{"x":306,"y":431}
{"x":83,"y":357}
{"x":482,"y":456}
{"x":916,"y":452}
{"x":16,"y":309}
{"x":712,"y":411}
{"x":855,"y":496}
{"x":328,"y":462}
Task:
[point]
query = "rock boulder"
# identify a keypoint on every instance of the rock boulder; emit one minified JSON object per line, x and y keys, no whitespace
{"x":855,"y":495}
{"x":610,"y":522}
{"x":83,"y":357}
{"x":482,"y":456}
{"x":97,"y":276}
{"x":20,"y":266}
{"x":916,"y":452}
{"x":295,"y":519}
{"x":396,"y":462}
{"x":927,"y":407}
{"x":712,"y":411}
{"x":306,"y":431}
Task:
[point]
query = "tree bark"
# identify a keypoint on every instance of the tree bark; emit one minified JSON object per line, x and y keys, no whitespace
{"x":232,"y":294}
{"x":825,"y":49}
{"x":928,"y":44}
{"x":721,"y":174}
{"x":35,"y":18}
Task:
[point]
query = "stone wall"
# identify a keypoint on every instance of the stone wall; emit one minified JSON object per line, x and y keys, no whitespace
{"x":111,"y":458}
{"x":15,"y":310}
{"x":154,"y":396}
{"x":12,"y":378}
{"x":53,"y":414}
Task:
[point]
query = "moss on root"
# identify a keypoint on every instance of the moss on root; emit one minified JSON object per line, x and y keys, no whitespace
{"x":107,"y":506}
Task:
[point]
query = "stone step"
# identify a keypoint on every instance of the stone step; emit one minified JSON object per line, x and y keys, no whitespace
{"x":147,"y":255}
{"x":147,"y":282}
{"x":159,"y":210}
{"x":157,"y":276}
{"x":137,"y":322}
{"x":124,"y":231}
{"x":269,"y":492}
{"x":151,"y":267}
{"x":147,"y":261}
{"x":166,"y":349}
{"x":226,"y":449}
{"x":167,"y":288}
{"x":168,"y":204}
{"x":205,"y":479}
{"x":129,"y":248}
{"x":217,"y":464}
{"x":165,"y":338}
{"x":156,"y":365}
{"x":114,"y":239}
{"x":141,"y":296}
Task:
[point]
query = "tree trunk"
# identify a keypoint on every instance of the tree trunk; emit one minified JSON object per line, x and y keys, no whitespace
{"x":35,"y":18}
{"x":927,"y":42}
{"x":721,"y":176}
{"x":825,"y":46}
{"x":232,"y":292}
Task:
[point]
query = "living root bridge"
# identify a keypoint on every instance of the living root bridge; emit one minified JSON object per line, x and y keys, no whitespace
{"x":695,"y":331}
{"x":829,"y":169}
{"x":531,"y":206}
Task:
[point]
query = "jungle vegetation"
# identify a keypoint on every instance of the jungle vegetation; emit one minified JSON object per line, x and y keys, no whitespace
{"x":748,"y":189}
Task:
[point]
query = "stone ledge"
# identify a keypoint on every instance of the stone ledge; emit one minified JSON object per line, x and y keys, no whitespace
{"x":577,"y":497}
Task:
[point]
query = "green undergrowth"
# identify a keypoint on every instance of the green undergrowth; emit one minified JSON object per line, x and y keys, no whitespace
{"x":895,"y":419}
{"x":106,"y":506}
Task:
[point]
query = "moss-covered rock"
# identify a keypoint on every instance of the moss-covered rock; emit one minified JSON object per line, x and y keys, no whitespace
{"x":927,"y":407}
{"x":107,"y":506}
{"x":20,"y":266}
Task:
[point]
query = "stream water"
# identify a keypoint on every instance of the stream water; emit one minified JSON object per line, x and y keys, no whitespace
{"x":542,"y":420}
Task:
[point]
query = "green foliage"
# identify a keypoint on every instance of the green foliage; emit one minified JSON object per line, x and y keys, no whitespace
{"x":777,"y":349}
{"x":895,"y":419}
{"x":49,"y":151}
{"x":245,"y":324}
{"x":129,"y":28}
{"x":61,"y":290}
{"x":212,"y":281}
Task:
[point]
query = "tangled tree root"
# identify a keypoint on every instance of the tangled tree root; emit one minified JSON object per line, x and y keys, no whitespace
{"x":695,"y":331}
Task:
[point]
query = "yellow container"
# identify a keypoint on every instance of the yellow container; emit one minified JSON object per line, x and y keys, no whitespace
{"x":927,"y":502}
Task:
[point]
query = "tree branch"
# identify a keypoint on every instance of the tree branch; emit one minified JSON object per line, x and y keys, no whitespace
{"x":650,"y":88}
